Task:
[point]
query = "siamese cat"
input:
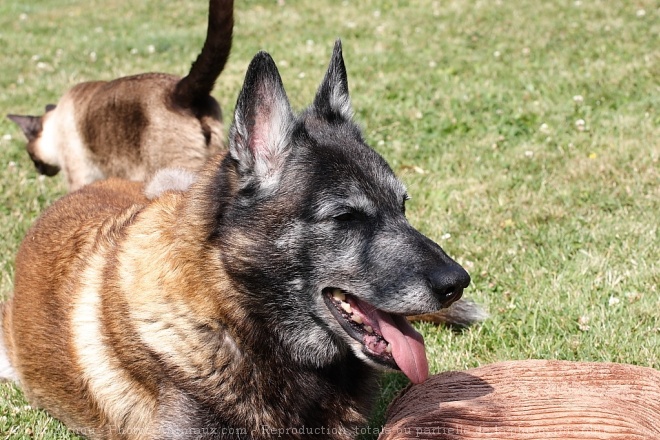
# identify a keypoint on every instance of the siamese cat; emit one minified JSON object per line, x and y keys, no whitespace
{"x":132,"y":126}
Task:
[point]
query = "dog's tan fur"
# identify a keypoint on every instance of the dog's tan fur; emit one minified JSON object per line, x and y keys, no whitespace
{"x":98,"y":303}
{"x":132,"y":126}
{"x":129,"y":283}
{"x":65,"y":241}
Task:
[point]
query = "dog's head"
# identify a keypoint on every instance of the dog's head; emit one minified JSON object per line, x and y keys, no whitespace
{"x":316,"y":229}
{"x":32,"y":127}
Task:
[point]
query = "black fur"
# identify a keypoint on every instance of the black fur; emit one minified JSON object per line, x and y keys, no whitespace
{"x":194,"y":89}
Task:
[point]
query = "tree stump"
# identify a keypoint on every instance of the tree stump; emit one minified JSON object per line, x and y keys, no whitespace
{"x":531,"y":400}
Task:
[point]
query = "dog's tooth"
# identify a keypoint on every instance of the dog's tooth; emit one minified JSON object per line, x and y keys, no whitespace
{"x":388,"y":348}
{"x":356,"y":318}
{"x":347,"y":307}
{"x":338,"y":295}
{"x":369,"y":329}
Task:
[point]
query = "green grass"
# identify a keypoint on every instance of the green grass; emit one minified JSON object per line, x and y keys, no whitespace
{"x":474,"y":103}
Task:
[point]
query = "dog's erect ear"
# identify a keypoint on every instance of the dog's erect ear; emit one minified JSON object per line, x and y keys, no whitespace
{"x":332,"y":98}
{"x":259,"y":136}
{"x":31,"y":125}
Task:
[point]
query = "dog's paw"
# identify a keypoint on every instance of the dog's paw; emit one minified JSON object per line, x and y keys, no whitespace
{"x":169,"y":179}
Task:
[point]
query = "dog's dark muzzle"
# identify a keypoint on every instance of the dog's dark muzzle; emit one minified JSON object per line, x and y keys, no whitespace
{"x":415,"y":271}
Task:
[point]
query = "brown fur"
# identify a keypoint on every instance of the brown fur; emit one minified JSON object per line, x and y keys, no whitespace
{"x":131,"y":127}
{"x":135,"y":301}
{"x":61,"y":240}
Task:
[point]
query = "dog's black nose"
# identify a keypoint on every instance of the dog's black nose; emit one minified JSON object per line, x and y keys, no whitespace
{"x":448,"y":283}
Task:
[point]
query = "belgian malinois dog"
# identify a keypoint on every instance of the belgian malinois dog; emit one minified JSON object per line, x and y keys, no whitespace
{"x":261,"y":301}
{"x":133,"y":126}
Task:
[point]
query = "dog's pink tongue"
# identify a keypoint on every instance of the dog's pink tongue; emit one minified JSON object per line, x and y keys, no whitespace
{"x":407,"y":345}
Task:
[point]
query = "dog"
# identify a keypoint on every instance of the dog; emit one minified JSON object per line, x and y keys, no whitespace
{"x":132,"y":126}
{"x":262,"y":297}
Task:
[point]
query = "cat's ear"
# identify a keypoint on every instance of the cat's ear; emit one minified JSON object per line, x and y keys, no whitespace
{"x":30,"y":125}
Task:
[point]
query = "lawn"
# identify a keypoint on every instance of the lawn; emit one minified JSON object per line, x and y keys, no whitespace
{"x":527,"y":133}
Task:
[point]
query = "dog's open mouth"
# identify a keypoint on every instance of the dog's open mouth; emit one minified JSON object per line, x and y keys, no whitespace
{"x":386,"y":338}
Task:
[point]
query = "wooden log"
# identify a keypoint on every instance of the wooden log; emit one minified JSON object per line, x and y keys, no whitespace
{"x":531,"y":400}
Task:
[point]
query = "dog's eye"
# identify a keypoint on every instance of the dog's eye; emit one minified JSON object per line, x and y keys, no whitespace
{"x":350,"y":215}
{"x":345,"y":217}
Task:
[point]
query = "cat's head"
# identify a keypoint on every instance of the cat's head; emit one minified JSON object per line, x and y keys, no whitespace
{"x":32,"y":127}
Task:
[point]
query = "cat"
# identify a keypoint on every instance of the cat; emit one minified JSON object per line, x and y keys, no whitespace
{"x":132,"y":126}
